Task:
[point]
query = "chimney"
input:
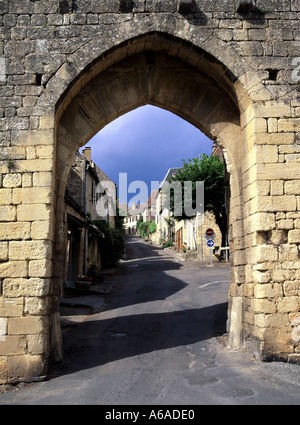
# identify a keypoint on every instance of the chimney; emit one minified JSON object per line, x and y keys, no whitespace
{"x":87,"y":152}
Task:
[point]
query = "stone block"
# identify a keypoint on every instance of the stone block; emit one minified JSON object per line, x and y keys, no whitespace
{"x":287,"y":224}
{"x":12,"y":180}
{"x":265,"y":253}
{"x":294,"y":236}
{"x":105,"y":6}
{"x":26,"y":367}
{"x":267,"y":290}
{"x":275,"y":171}
{"x":284,"y":203}
{"x":273,"y":110}
{"x":32,"y":165}
{"x":3,"y":251}
{"x":33,"y":138}
{"x":37,"y":344}
{"x":263,"y":266}
{"x":42,"y":230}
{"x":12,"y":345}
{"x":276,"y":187}
{"x":34,"y":287}
{"x":277,"y":237}
{"x":12,"y":307}
{"x":289,"y":125}
{"x":263,"y":306}
{"x":27,"y":180}
{"x":274,"y":139}
{"x":15,"y":231}
{"x":266,"y":154}
{"x":30,"y":250}
{"x":257,"y":128}
{"x":27,"y":325}
{"x":13,"y":153}
{"x":36,"y":306}
{"x":282,"y":275}
{"x":272,"y":125}
{"x":292,"y":187}
{"x":3,"y":326}
{"x":43,"y":179}
{"x":258,"y":188}
{"x":288,"y":305}
{"x":288,"y":149}
{"x":33,"y":212}
{"x":292,"y":265}
{"x":3,"y":370}
{"x":272,"y":204}
{"x":261,"y":277}
{"x":288,"y":253}
{"x":235,"y":331}
{"x":261,"y":222}
{"x":30,"y":195}
{"x":272,"y":320}
{"x":8,"y":213}
{"x":238,"y":257}
{"x":291,"y":288}
{"x":248,"y":290}
{"x":44,"y":152}
{"x":5,"y":196}
{"x":30,"y":152}
{"x":14,"y":269}
{"x":40,"y":268}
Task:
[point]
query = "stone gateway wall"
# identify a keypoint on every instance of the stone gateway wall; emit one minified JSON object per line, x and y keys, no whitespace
{"x":68,"y":67}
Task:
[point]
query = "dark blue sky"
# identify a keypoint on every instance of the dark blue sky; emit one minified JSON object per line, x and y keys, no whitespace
{"x":145,"y":143}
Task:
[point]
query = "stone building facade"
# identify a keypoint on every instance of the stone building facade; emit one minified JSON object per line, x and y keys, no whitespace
{"x":84,"y":190}
{"x":231,"y":68}
{"x":131,"y":219}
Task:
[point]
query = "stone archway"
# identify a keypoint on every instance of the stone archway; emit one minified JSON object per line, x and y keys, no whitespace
{"x":167,"y":60}
{"x":201,"y":91}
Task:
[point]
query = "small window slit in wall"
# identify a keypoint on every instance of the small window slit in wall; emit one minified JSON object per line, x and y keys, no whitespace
{"x":273,"y":73}
{"x":38,"y":79}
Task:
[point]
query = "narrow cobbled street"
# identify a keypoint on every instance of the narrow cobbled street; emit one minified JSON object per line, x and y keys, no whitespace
{"x":158,"y":337}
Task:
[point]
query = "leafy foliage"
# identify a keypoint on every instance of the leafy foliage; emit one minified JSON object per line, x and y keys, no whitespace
{"x":113,"y":244}
{"x":152,"y":227}
{"x":145,"y":228}
{"x":211,"y":170}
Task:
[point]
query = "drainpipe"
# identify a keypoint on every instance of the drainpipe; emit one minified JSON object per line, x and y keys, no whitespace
{"x":195,"y":231}
{"x":85,"y":213}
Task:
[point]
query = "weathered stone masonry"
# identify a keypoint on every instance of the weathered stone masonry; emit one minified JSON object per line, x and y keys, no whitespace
{"x":68,"y":67}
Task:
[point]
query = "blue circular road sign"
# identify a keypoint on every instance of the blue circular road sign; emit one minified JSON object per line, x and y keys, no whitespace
{"x":210,"y":243}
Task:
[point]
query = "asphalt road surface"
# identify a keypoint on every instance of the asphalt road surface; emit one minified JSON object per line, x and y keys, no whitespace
{"x":158,"y":338}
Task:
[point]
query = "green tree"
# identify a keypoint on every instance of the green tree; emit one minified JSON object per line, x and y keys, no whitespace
{"x":210,"y":170}
{"x":113,"y":244}
{"x":145,"y":228}
{"x":152,"y":227}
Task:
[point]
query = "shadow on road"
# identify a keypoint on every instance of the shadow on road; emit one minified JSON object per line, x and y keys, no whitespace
{"x":100,"y":340}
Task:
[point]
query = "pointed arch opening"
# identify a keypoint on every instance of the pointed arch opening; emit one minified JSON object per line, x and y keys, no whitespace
{"x":163,"y":71}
